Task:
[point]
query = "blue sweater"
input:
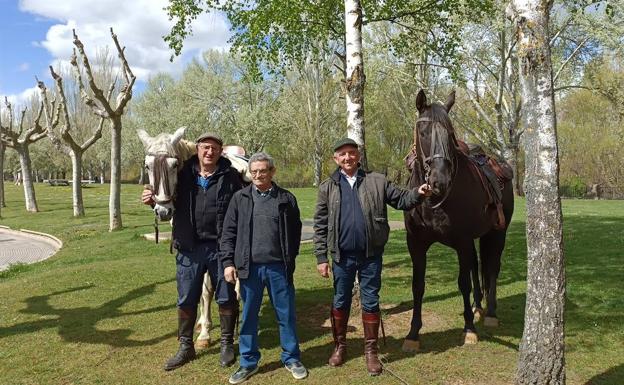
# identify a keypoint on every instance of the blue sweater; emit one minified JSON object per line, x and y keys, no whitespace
{"x":352,"y":233}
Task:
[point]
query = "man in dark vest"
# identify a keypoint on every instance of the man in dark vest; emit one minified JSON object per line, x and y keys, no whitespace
{"x":351,"y":225}
{"x":206,"y":183}
{"x":261,"y":236}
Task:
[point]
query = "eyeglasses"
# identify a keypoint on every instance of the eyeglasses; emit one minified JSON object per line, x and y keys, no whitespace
{"x":263,"y":171}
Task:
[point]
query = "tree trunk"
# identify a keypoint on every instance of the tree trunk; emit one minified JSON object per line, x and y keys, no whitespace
{"x":102,"y":172}
{"x":142,"y":175}
{"x":29,"y":188}
{"x":2,"y":152}
{"x":541,"y":359}
{"x":114,"y":203}
{"x":356,"y":79}
{"x":76,"y":158}
{"x":318,"y":163}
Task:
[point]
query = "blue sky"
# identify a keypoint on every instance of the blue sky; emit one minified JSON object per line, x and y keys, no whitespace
{"x":37,"y":33}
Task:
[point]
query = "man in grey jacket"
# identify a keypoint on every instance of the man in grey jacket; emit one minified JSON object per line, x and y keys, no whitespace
{"x":351,"y":224}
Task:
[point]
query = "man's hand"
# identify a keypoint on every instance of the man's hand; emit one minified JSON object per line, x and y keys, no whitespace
{"x":425,"y":190}
{"x":229,"y":273}
{"x":147,"y":196}
{"x":323,"y":269}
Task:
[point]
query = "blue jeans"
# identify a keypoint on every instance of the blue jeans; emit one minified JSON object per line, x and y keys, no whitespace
{"x":369,"y":274}
{"x":191,"y":267}
{"x":274,"y":277}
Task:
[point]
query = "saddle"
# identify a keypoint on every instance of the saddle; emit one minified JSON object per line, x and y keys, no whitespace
{"x":493,"y":175}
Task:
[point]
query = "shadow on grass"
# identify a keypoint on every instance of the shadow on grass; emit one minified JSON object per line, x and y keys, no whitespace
{"x":613,"y":376}
{"x":79,"y":324}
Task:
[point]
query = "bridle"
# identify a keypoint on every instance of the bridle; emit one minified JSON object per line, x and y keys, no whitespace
{"x":159,"y":172}
{"x":439,"y":148}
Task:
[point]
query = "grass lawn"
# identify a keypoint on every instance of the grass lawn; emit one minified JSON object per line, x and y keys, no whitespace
{"x":101,"y":311}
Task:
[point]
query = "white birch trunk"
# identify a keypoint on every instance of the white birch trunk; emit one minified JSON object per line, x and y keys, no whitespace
{"x":29,"y":188}
{"x":541,"y":359}
{"x":356,"y":79}
{"x":78,"y":205}
{"x":114,"y":204}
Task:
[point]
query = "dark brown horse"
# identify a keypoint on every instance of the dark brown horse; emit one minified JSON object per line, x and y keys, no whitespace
{"x":458,"y":212}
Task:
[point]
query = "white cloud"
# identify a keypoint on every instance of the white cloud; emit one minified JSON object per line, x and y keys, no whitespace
{"x":18,"y":101}
{"x":23,"y":67}
{"x":139,"y":25}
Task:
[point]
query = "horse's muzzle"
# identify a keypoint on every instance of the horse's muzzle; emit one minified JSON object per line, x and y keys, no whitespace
{"x":163,"y":213}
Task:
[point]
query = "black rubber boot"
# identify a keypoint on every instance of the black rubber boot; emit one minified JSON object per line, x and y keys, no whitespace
{"x":186,"y":352}
{"x":227,"y":316}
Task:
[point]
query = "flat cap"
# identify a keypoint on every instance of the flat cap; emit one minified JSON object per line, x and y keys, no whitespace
{"x":345,"y":142}
{"x":211,"y":136}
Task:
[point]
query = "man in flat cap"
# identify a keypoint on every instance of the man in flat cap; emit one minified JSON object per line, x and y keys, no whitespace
{"x":351,"y":225}
{"x":206,"y":183}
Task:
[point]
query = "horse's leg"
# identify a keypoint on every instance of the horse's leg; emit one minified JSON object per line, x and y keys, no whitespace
{"x":205,"y":317}
{"x":492,"y":245}
{"x":465,"y":254}
{"x":477,"y":308}
{"x":418,"y":252}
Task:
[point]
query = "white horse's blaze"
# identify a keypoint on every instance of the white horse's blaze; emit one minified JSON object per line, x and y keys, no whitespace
{"x":166,"y":154}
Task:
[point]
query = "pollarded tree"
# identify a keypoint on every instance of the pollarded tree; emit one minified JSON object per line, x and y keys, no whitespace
{"x":15,"y":136}
{"x":66,"y":139}
{"x":542,"y":346}
{"x":103,"y":108}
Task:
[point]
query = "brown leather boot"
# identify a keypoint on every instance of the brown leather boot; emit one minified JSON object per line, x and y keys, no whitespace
{"x":339,"y":319}
{"x":371,"y":323}
{"x":227,"y":316}
{"x":186,"y":352}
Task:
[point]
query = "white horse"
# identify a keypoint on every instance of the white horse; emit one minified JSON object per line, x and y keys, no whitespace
{"x":165,"y":155}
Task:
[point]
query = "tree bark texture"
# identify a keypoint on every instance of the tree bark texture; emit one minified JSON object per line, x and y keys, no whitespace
{"x":2,"y":152}
{"x":356,"y":80}
{"x":78,"y":205}
{"x":27,"y":182}
{"x":541,"y":359}
{"x":114,"y":204}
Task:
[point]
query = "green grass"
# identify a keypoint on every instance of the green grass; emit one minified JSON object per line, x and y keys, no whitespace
{"x":101,"y":311}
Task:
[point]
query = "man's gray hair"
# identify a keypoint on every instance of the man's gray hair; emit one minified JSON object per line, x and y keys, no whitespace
{"x":262,"y":157}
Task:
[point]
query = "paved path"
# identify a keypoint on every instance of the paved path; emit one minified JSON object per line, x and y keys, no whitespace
{"x":22,"y":247}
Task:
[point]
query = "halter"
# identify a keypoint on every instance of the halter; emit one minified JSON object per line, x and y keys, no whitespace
{"x":437,"y":141}
{"x":160,"y":171}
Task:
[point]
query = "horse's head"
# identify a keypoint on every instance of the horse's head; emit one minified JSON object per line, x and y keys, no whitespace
{"x":163,"y":161}
{"x":435,"y":144}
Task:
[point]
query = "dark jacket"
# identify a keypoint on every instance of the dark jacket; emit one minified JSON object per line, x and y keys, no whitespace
{"x":228,"y":182}
{"x":236,"y":238}
{"x":374,"y":192}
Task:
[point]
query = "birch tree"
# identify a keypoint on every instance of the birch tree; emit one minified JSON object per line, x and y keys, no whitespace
{"x":542,"y":346}
{"x":16,"y":136}
{"x":103,"y":108}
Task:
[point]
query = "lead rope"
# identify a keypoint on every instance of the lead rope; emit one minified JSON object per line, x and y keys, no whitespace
{"x":156,"y":228}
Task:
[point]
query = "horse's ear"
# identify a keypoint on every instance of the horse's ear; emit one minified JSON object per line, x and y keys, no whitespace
{"x":179,"y":134}
{"x":421,"y":101}
{"x":144,"y":136}
{"x":450,"y":101}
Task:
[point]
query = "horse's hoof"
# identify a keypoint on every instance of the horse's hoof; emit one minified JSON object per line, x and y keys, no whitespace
{"x":202,"y":344}
{"x":411,"y":346}
{"x":470,"y":338}
{"x":491,"y":322}
{"x":478,"y":314}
